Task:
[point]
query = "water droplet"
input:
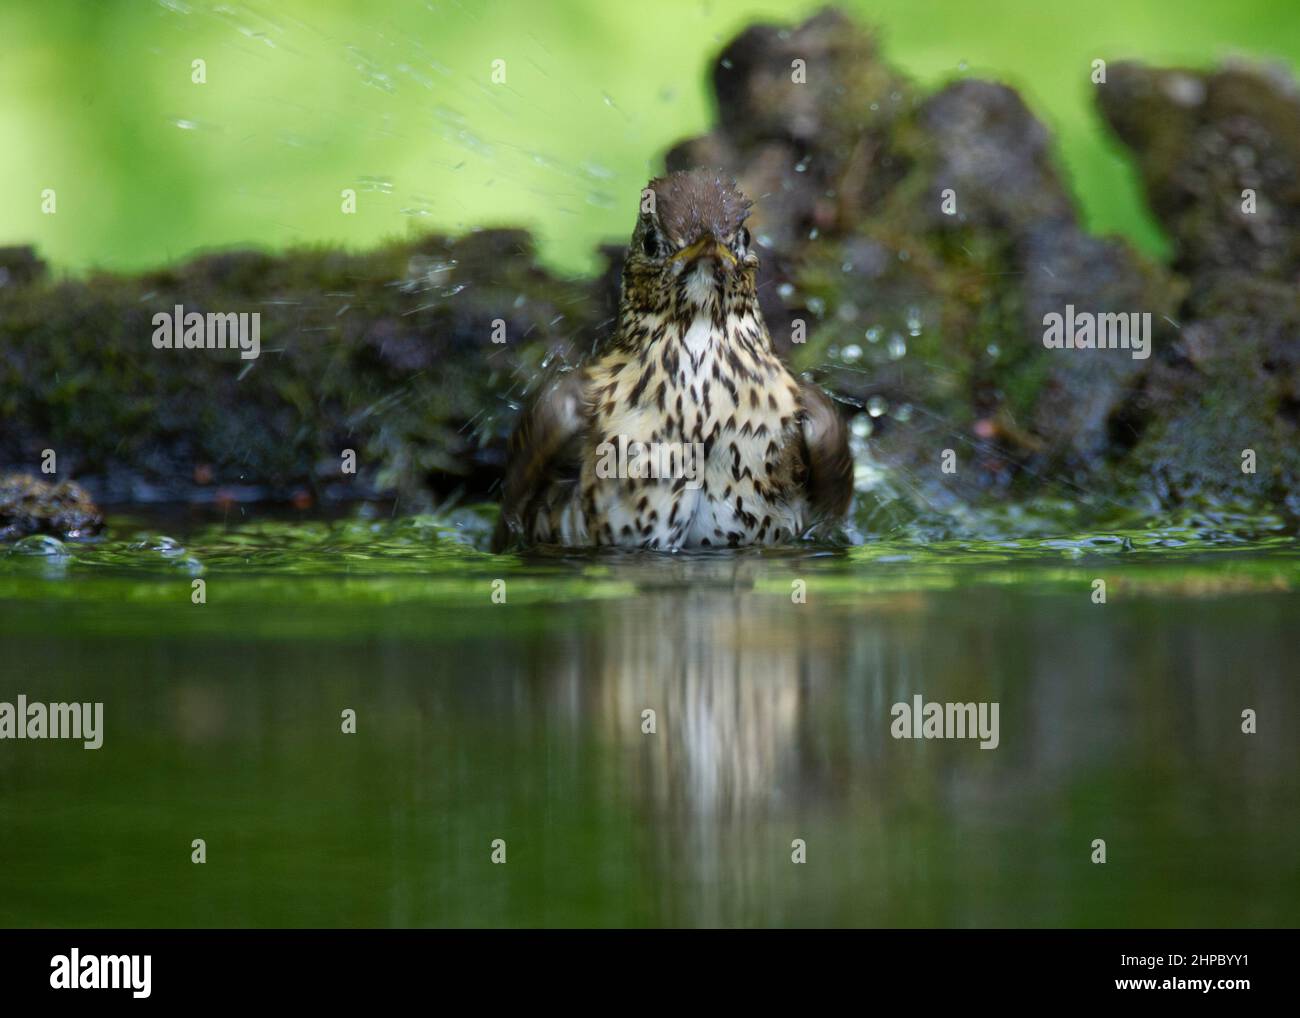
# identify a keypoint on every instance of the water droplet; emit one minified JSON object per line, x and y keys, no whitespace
{"x":903,"y":413}
{"x":993,"y":350}
{"x":852,"y":353}
{"x":785,"y":291}
{"x":897,"y":346}
{"x":876,"y":406}
{"x":873,"y":334}
{"x":39,"y":544}
{"x":861,"y":426}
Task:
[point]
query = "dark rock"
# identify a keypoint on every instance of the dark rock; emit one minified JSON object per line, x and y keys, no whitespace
{"x":388,"y":353}
{"x":1082,"y":391}
{"x":927,"y":238}
{"x":982,"y":141}
{"x":1231,"y":383}
{"x":19,"y":266}
{"x":29,"y":505}
{"x":1201,"y":139}
{"x":807,"y":118}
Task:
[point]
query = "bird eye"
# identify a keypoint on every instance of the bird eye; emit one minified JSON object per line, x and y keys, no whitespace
{"x":744,"y":238}
{"x":650,"y":244}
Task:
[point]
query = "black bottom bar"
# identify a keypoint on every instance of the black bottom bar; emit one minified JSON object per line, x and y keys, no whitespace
{"x":1224,"y":967}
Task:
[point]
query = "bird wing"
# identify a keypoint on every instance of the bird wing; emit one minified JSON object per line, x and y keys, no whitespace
{"x":543,"y":436}
{"x":829,"y":464}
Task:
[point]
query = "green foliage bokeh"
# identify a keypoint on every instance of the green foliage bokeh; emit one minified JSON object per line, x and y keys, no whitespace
{"x":394,"y":99}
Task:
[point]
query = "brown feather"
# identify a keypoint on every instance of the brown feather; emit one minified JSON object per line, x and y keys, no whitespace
{"x":696,"y":202}
{"x":829,"y":463}
{"x":537,"y":452}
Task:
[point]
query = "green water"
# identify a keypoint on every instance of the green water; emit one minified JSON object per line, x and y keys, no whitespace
{"x":523,"y":721}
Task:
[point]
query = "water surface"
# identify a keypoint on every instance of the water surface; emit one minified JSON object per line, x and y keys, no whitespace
{"x":523,"y":721}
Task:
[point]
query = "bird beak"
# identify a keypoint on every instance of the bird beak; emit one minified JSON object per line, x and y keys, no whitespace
{"x":707,"y":246}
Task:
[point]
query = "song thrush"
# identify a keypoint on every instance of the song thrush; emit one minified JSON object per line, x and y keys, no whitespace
{"x":756,"y":456}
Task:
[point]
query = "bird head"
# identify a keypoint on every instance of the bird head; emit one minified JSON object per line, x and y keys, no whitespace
{"x":690,"y":240}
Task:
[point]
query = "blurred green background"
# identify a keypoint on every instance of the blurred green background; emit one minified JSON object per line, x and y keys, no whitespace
{"x":394,"y":98}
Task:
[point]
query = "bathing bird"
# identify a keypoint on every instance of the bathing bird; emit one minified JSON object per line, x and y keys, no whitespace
{"x":684,"y":429}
